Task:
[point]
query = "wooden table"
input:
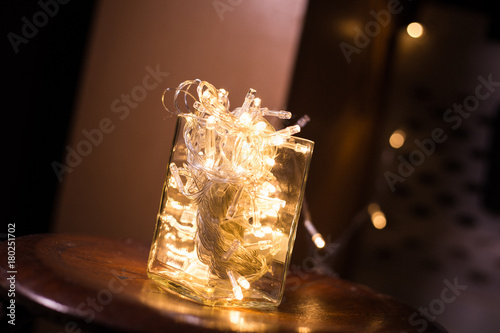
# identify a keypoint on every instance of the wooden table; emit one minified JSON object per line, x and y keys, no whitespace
{"x":100,"y":283}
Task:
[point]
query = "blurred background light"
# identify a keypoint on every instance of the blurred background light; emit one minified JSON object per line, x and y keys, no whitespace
{"x":415,"y":30}
{"x":397,"y":139}
{"x":377,"y":216}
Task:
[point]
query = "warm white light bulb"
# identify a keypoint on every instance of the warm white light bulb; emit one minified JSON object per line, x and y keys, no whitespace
{"x":377,"y":216}
{"x":270,"y":161}
{"x":415,"y":30}
{"x":238,"y":294}
{"x":260,"y":126}
{"x":397,"y":139}
{"x":379,"y":221}
{"x":319,"y":241}
{"x":245,"y":118}
{"x":256,"y":102}
{"x":243,"y":283}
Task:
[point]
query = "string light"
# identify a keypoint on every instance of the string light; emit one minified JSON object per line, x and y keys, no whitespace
{"x":230,"y":156}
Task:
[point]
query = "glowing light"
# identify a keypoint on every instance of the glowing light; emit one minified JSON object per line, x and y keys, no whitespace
{"x":261,"y":126}
{"x":397,"y":139}
{"x":290,"y":130}
{"x":415,"y":30}
{"x":177,"y":177}
{"x":238,"y":294}
{"x":209,"y":162}
{"x":211,"y":122}
{"x":319,"y":241}
{"x":270,"y":161}
{"x":222,"y":95}
{"x":268,"y":187}
{"x":188,"y":216}
{"x":276,"y":140}
{"x":234,"y":317}
{"x":256,"y":102}
{"x":259,"y":233}
{"x":280,"y":114}
{"x":267,"y":230}
{"x":206,"y":94}
{"x":377,"y":216}
{"x":172,"y":183}
{"x":241,"y":280}
{"x":379,"y":221}
{"x":243,"y":283}
{"x":301,"y":148}
{"x":245,"y":118}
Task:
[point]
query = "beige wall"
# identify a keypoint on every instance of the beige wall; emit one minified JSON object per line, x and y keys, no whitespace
{"x":116,"y":189}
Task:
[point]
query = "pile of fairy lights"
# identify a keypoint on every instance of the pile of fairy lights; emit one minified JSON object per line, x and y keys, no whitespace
{"x":228,"y":175}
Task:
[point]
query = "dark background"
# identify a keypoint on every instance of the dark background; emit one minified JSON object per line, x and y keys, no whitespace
{"x":40,"y":85}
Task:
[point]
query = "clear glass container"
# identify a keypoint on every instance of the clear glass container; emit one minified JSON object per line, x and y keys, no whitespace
{"x":228,"y":241}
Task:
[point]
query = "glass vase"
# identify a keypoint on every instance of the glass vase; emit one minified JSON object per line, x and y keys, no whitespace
{"x":228,"y":241}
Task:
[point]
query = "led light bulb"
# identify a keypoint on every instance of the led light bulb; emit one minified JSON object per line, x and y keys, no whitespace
{"x":206,"y":94}
{"x":209,"y":162}
{"x":238,"y":294}
{"x":245,"y":118}
{"x":318,"y":240}
{"x":222,"y":94}
{"x":279,"y":114}
{"x":276,"y":140}
{"x":234,"y":246}
{"x":260,"y":126}
{"x":267,"y":230}
{"x":300,"y":148}
{"x":177,"y":177}
{"x":270,"y":161}
{"x":259,"y":233}
{"x":268,"y":187}
{"x":241,"y":280}
{"x":290,"y":130}
{"x":379,"y":221}
{"x":246,"y":104}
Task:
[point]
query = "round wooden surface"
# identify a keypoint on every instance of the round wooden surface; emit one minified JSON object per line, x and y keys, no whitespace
{"x":92,"y":282}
